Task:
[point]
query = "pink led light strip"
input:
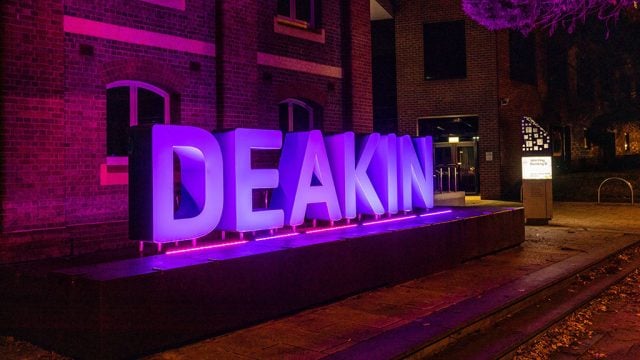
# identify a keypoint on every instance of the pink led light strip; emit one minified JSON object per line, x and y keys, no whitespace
{"x":308,"y":232}
{"x":205,"y":247}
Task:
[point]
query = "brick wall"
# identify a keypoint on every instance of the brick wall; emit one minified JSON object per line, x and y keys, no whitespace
{"x":54,"y":117}
{"x":329,"y":20}
{"x":196,"y":22}
{"x":275,"y":85}
{"x":54,"y":100}
{"x":487,"y":83}
{"x":86,"y":76}
{"x":475,"y":95}
{"x":237,"y":75}
{"x":358,"y":79}
{"x":32,"y":128}
{"x":85,"y":112}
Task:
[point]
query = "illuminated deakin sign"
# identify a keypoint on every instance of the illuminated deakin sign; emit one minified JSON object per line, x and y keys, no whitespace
{"x":319,"y":177}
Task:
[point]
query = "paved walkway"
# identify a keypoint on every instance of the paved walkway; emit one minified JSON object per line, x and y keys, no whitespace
{"x":615,"y":326}
{"x":576,"y":228}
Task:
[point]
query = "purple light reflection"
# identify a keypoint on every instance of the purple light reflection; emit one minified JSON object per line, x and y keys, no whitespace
{"x":390,"y":220}
{"x":331,"y":229}
{"x":205,"y":247}
{"x":437,"y":213}
{"x":307,"y":232}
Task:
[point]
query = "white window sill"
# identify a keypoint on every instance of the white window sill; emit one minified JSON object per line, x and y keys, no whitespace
{"x":289,"y":27}
{"x":114,"y":171}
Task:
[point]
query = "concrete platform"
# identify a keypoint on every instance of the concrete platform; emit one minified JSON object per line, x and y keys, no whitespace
{"x":454,"y":198}
{"x":135,"y":306}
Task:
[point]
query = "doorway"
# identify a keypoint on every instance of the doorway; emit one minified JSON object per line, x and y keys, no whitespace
{"x":455,"y":151}
{"x":463,"y":155}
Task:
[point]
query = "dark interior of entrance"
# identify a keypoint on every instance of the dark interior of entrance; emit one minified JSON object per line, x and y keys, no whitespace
{"x":455,"y":153}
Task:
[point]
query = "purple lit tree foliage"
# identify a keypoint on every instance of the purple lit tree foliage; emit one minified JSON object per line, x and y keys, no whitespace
{"x":525,"y":15}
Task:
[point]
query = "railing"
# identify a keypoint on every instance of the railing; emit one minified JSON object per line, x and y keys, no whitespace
{"x":447,"y":178}
{"x":615,"y":178}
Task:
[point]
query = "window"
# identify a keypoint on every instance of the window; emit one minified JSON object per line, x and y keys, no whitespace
{"x":522,"y":58}
{"x":302,"y":12}
{"x":445,"y":54}
{"x":132,"y":103}
{"x":296,"y":115}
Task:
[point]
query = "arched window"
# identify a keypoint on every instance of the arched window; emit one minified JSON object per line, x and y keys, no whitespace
{"x":296,"y":115}
{"x":132,"y":103}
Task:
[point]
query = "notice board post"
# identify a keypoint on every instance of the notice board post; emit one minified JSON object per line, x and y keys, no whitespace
{"x":537,"y":189}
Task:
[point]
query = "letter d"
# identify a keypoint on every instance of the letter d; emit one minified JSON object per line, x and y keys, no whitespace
{"x":153,"y":215}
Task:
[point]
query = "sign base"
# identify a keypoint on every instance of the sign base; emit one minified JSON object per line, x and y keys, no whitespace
{"x":131,"y":307}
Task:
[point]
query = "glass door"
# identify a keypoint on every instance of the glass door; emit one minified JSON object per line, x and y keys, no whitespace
{"x":463,"y":156}
{"x":466,"y":158}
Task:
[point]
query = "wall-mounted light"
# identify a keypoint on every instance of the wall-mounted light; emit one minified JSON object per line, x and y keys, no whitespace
{"x":454,"y":139}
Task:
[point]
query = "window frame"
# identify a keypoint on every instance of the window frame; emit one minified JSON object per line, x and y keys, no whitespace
{"x":111,"y":171}
{"x":518,"y":43}
{"x":133,"y":86}
{"x":291,"y":102}
{"x":433,"y":71}
{"x":291,"y":19}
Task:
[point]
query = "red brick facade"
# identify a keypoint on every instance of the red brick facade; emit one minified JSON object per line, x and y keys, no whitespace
{"x":479,"y":94}
{"x":225,"y":64}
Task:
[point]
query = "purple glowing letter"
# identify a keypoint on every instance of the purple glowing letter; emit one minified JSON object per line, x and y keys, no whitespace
{"x":201,"y":179}
{"x":306,"y":182}
{"x":415,"y":172}
{"x":240,"y":180}
{"x":353,"y":185}
{"x":341,"y":150}
{"x":384,"y":178}
{"x":368,"y":200}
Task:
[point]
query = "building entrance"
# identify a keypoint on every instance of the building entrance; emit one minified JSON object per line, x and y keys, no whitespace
{"x":462,"y":156}
{"x":455,"y":154}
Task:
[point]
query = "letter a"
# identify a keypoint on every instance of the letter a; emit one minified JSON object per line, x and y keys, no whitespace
{"x":306,"y":182}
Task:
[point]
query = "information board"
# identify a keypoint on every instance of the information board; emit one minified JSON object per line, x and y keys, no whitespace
{"x":536,"y":167}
